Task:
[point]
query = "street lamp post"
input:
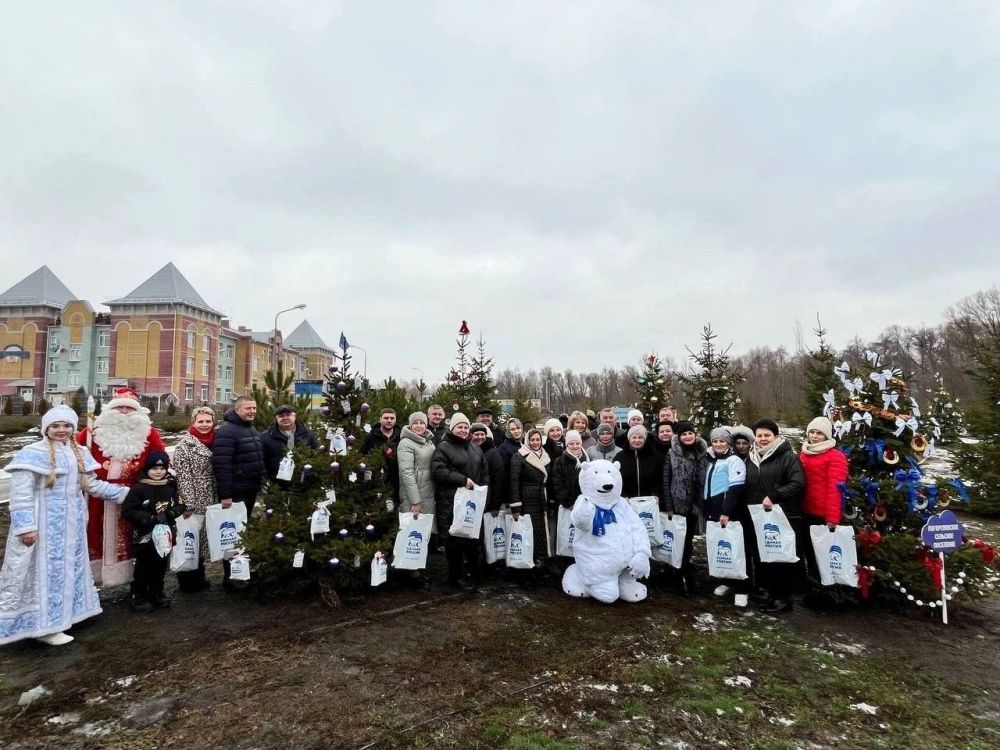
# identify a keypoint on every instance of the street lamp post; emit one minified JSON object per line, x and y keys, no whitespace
{"x":364,"y":362}
{"x":277,"y":349}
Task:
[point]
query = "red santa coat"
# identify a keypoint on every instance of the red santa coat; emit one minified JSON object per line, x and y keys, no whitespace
{"x":130,"y":472}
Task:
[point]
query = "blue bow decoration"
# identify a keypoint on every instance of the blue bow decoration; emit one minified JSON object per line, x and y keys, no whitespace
{"x":845,"y":494}
{"x":871,"y":490}
{"x":932,"y":493}
{"x":602,"y":517}
{"x":875,"y":450}
{"x":960,"y":489}
{"x":845,"y":449}
{"x":914,"y":465}
{"x":907,"y":481}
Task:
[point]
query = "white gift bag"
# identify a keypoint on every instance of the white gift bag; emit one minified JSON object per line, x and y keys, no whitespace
{"x":648,"y":510}
{"x":162,"y":538}
{"x":726,"y":555}
{"x":223,"y":527}
{"x":412,"y":539}
{"x":184,"y":555}
{"x":521,"y":543}
{"x":380,"y":569}
{"x":495,"y":538}
{"x":565,"y":531}
{"x":286,"y":469}
{"x":670,"y":550}
{"x":469,"y":507}
{"x":775,"y":536}
{"x":319,"y":523}
{"x":239,"y":567}
{"x":836,"y":555}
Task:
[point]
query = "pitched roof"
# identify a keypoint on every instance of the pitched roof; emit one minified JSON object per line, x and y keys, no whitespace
{"x":41,"y":288}
{"x":166,"y":285}
{"x":262,"y":337}
{"x":305,"y":337}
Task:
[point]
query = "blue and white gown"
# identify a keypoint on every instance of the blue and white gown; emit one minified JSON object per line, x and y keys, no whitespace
{"x":48,"y":587}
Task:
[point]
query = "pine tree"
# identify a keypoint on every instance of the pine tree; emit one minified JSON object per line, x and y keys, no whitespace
{"x":944,"y":414}
{"x":652,"y":385}
{"x":469,"y":385}
{"x":277,"y":391}
{"x":711,"y":392}
{"x":979,"y":461}
{"x":819,"y":375}
{"x":888,"y":497}
{"x":361,"y":515}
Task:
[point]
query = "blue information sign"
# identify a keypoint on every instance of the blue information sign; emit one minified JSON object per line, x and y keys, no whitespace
{"x":943,"y":533}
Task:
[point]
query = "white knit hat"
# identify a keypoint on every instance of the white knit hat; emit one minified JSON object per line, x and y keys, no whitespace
{"x":573,"y":435}
{"x":634,"y":413}
{"x":61,"y":413}
{"x":822,"y":424}
{"x":456,"y":419}
{"x":551,"y":424}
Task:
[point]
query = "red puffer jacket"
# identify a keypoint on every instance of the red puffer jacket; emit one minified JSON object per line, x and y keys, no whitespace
{"x":823,"y":473}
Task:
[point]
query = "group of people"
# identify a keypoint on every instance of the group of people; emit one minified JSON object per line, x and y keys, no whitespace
{"x":65,"y":484}
{"x":535,"y":471}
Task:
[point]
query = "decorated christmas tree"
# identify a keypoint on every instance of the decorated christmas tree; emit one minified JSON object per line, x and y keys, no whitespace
{"x":711,"y":391}
{"x":945,"y":418}
{"x":469,"y":385}
{"x":322,"y":527}
{"x":888,"y":496}
{"x":652,"y":385}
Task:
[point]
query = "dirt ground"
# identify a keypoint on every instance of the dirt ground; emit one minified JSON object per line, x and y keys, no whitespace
{"x":507,"y":668}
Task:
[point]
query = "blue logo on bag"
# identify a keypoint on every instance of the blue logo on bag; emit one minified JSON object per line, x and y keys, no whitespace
{"x":515,"y":543}
{"x":668,"y":541}
{"x":499,"y":538}
{"x":227,"y":533}
{"x":836,"y":558}
{"x":724,"y":552}
{"x":772,"y":536}
{"x":414,"y":540}
{"x":470,"y":513}
{"x":647,"y":518}
{"x":188,"y":543}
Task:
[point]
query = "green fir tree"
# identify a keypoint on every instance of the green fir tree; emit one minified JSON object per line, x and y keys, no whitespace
{"x":944,"y":414}
{"x":821,"y":383}
{"x":888,"y":497}
{"x":979,"y":460}
{"x":362,"y":520}
{"x":652,"y":385}
{"x":712,"y":390}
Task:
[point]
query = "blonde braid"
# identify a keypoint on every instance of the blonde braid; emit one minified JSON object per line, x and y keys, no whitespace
{"x":51,"y":480}
{"x":78,"y":454}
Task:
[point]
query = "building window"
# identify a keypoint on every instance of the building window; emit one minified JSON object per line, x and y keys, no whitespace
{"x":222,"y":348}
{"x":75,"y":353}
{"x":104,"y":339}
{"x":53,"y":367}
{"x":189,"y":366}
{"x":54,"y":342}
{"x":204,"y":368}
{"x":204,"y":394}
{"x":102,"y":365}
{"x":218,"y":372}
{"x":74,"y":378}
{"x":229,"y":373}
{"x":218,"y":395}
{"x":206,"y":342}
{"x":230,"y":351}
{"x":190,"y":338}
{"x":188,"y":392}
{"x":256,"y":363}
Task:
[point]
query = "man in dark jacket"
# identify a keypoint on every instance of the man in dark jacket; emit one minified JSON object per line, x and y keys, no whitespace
{"x":436,"y":422}
{"x":385,"y":436}
{"x":282,"y":437}
{"x":238,"y":461}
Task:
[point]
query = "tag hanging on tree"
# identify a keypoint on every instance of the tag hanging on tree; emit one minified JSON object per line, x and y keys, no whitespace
{"x":320,"y":523}
{"x":338,"y":442}
{"x":345,"y":404}
{"x":286,"y":468}
{"x":299,"y":560}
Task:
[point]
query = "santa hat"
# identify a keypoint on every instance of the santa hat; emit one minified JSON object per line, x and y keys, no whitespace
{"x":126,"y":397}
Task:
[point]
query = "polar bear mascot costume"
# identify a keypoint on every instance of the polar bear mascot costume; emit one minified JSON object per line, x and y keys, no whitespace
{"x":610,"y":545}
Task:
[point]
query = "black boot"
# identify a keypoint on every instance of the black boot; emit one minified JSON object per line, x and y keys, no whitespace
{"x":776,"y":606}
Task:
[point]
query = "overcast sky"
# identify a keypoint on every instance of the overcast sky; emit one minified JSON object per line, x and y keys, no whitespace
{"x":582,"y":181}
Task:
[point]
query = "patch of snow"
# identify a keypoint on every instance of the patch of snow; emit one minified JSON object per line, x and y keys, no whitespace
{"x":646,"y":688}
{"x":30,"y":696}
{"x":96,"y":729}
{"x":608,"y":688}
{"x":719,"y":712}
{"x":125,"y":682}
{"x":854,"y":649}
{"x":705,"y":622}
{"x":69,"y":718}
{"x":785,"y":722}
{"x":739,"y":680}
{"x":738,"y":709}
{"x":864,"y":708}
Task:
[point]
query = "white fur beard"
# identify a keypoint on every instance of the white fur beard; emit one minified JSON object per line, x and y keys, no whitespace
{"x":121,"y":436}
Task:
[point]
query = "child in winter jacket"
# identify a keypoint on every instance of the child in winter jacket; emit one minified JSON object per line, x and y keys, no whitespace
{"x":153,"y":500}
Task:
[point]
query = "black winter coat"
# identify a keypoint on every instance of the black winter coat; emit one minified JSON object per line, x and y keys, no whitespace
{"x":684,"y":476}
{"x":376,"y":440}
{"x":497,"y":495}
{"x":238,"y":458}
{"x":780,"y":478}
{"x":642,"y":471}
{"x":527,"y":485}
{"x":566,"y":479}
{"x":454,"y":461}
{"x":275,"y":445}
{"x":150,"y":502}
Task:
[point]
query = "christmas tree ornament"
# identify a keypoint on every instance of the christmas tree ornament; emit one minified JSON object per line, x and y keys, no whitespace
{"x":352,"y":477}
{"x":357,"y":561}
{"x":367,"y":428}
{"x":344,"y":533}
{"x":364,"y":408}
{"x":325,"y":411}
{"x":918,"y":444}
{"x":342,"y":387}
{"x":334,"y":467}
{"x":367,"y":475}
{"x":329,"y":435}
{"x":345,"y":406}
{"x":338,"y":443}
{"x":286,"y":469}
{"x":333,"y":563}
{"x":319,"y":522}
{"x":299,"y":559}
{"x":370,"y":530}
{"x":331,"y":495}
{"x":351,"y":440}
{"x":268,"y":513}
{"x":880,"y":513}
{"x":890,"y":456}
{"x":279,"y":537}
{"x":454,"y":407}
{"x":463,"y":330}
{"x":306,"y":471}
